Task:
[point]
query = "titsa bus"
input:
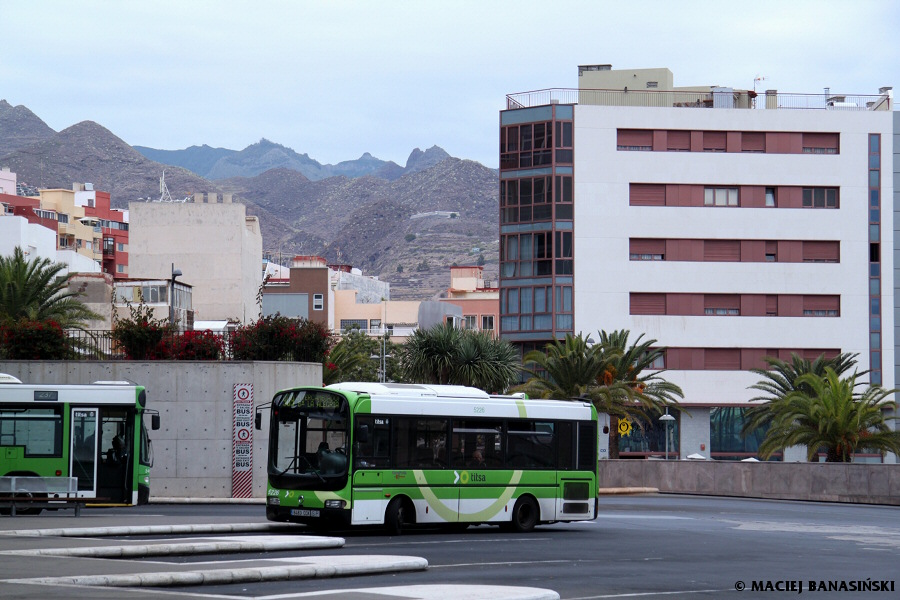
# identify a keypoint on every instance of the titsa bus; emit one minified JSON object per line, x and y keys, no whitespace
{"x":403,"y":454}
{"x":93,"y":432}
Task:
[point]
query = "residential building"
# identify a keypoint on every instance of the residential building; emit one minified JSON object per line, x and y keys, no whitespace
{"x":478,"y":299}
{"x":304,"y":294}
{"x":212,"y":242}
{"x":728,"y":225}
{"x":167,"y":299}
{"x":7,"y":181}
{"x":84,"y":222}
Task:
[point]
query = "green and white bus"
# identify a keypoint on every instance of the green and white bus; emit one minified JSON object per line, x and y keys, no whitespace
{"x":402,"y":454}
{"x":94,"y":433}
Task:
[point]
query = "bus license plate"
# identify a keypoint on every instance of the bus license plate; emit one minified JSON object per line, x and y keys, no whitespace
{"x":304,"y":512}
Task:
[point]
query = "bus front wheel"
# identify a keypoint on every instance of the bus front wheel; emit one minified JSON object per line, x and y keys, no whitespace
{"x":397,"y":516}
{"x":525,"y":515}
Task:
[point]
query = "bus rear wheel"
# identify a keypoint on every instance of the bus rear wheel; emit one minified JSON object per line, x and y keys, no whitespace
{"x":525,"y":515}
{"x":397,"y":516}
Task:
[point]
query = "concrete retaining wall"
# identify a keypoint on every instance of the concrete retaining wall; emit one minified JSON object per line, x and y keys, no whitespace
{"x":827,"y":482}
{"x":193,"y":449}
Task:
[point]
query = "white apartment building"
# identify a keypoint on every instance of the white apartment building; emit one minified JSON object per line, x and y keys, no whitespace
{"x":728,"y":225}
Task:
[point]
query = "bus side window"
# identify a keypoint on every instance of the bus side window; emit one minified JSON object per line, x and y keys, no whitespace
{"x":566,"y":445}
{"x":587,"y":446}
{"x":372,"y":448}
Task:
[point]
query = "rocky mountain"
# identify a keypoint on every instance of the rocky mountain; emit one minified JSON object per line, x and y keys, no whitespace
{"x":221,"y":163}
{"x":407,"y":225}
{"x":197,"y":159}
{"x":88,"y":152}
{"x":20,"y":128}
{"x":408,"y":231}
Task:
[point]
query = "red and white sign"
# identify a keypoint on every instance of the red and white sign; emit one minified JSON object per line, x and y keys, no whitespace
{"x":242,"y":456}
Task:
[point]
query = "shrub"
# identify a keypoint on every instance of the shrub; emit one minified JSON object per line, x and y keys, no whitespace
{"x":141,"y":337}
{"x":281,"y":338}
{"x":192,"y":345}
{"x":28,"y":339}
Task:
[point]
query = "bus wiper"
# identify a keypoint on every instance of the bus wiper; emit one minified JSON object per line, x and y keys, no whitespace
{"x":294,"y":462}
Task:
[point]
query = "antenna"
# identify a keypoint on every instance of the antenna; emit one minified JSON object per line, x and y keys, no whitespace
{"x":757,"y":79}
{"x":164,"y":195}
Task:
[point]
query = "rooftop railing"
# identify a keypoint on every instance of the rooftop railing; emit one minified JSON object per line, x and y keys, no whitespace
{"x":725,"y":98}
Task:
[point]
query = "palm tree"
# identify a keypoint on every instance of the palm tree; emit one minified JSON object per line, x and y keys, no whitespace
{"x":609,"y":374}
{"x":783,"y":378}
{"x":446,"y":355}
{"x":826,"y":412}
{"x":35,"y":290}
{"x":630,"y":368}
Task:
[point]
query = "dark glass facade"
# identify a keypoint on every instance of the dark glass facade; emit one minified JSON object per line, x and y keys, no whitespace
{"x":536,"y":224}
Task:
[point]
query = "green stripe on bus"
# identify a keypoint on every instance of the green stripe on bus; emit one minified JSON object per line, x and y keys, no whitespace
{"x":450,"y":515}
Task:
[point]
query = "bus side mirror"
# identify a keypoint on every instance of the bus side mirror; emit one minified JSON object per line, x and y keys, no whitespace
{"x":154,"y":422}
{"x":606,"y":429}
{"x":258,"y":420}
{"x":362,"y":434}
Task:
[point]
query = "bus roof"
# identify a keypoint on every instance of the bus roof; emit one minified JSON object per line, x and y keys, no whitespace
{"x":420,"y":390}
{"x":53,"y":394}
{"x":440,"y":400}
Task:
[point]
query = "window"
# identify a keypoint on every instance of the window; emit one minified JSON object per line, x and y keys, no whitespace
{"x":63,"y":218}
{"x":347,"y":324}
{"x":470,"y":321}
{"x":487,"y":322}
{"x":120,"y":247}
{"x":318,"y":302}
{"x":634,"y":139}
{"x":530,"y":445}
{"x":38,"y":430}
{"x":824,"y":251}
{"x":155,"y":294}
{"x":477,"y":444}
{"x":821,"y":143}
{"x":820,"y":197}
{"x":770,"y":197}
{"x":714,"y":141}
{"x":120,"y":268}
{"x":420,"y":443}
{"x":720,"y":196}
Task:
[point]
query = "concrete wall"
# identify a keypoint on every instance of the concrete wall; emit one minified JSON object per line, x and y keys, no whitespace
{"x":193,"y":448}
{"x":824,"y":482}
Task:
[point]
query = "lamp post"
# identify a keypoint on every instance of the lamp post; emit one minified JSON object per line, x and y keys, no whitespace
{"x":667,"y":420}
{"x":383,"y":357}
{"x":175,"y":273}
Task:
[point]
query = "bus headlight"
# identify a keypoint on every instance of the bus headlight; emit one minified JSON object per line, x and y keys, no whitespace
{"x":335,"y":503}
{"x":273,"y":501}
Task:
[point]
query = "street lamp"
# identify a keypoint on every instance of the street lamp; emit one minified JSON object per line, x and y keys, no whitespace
{"x":667,"y":419}
{"x":175,"y":273}
{"x":384,"y":356}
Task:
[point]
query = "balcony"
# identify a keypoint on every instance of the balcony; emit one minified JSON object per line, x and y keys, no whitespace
{"x":716,"y":98}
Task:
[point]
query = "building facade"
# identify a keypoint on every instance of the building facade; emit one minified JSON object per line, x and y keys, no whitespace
{"x":478,"y":299}
{"x":728,"y":225}
{"x":215,"y":245}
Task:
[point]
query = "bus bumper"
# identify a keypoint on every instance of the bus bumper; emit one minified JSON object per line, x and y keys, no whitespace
{"x":317,"y":517}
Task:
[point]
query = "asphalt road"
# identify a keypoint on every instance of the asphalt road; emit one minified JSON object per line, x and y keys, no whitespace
{"x":653,"y":546}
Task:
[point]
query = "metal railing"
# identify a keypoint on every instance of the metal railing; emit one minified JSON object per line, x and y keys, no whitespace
{"x":745,"y":99}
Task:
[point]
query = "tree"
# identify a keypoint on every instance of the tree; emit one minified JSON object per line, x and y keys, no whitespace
{"x":446,"y":355}
{"x":351,"y":359}
{"x":610,"y":374}
{"x":826,"y":412}
{"x":36,"y":290}
{"x":781,"y":379}
{"x":635,"y":389}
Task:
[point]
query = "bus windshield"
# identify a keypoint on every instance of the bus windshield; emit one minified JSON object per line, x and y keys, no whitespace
{"x":309,"y":442}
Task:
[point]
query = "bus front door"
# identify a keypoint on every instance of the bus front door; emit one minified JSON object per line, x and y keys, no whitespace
{"x":83,"y":450}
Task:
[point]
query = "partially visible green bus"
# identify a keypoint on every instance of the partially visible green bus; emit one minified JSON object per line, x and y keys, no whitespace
{"x":402,"y":454}
{"x":93,"y":432}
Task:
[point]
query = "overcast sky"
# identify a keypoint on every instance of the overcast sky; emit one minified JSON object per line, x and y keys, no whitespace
{"x":336,"y":79}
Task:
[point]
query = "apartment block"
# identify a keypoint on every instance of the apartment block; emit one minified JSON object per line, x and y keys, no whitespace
{"x":727,"y":224}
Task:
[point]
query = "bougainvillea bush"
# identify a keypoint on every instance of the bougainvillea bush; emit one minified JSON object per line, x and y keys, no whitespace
{"x":27,"y":339}
{"x":276,"y":337}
